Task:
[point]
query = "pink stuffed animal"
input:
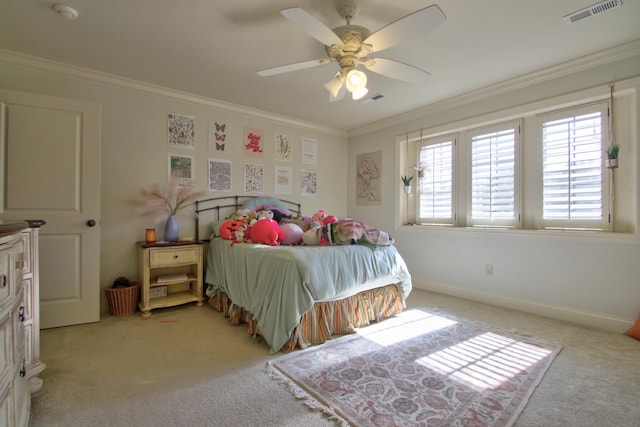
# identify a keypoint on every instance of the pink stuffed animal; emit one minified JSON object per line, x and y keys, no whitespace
{"x":318,"y":216}
{"x":323,"y":218}
{"x":267,"y":231}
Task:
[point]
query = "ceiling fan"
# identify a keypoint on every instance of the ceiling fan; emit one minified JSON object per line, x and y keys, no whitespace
{"x":352,"y":45}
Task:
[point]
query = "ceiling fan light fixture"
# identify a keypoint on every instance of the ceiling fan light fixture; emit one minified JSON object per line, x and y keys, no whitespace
{"x":356,"y":81}
{"x":334,"y":85}
{"x":359,"y":93}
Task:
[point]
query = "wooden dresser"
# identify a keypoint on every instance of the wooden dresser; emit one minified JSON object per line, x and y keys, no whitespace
{"x":31,"y":284}
{"x":19,"y":328}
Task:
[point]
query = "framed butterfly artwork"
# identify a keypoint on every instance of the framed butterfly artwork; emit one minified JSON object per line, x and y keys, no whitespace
{"x":219,"y":140}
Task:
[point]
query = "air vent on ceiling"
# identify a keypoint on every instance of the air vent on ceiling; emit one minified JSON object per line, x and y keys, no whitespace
{"x":372,"y":98}
{"x":590,"y":11}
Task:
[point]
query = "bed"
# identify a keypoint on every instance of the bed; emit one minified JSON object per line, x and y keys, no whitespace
{"x":296,"y":296}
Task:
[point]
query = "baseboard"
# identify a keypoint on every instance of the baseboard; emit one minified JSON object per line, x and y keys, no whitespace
{"x":595,"y":320}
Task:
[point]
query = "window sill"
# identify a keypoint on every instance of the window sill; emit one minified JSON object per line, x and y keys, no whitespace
{"x":513,"y":232}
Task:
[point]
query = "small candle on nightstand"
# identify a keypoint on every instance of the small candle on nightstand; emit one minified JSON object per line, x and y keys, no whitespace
{"x":150,"y":235}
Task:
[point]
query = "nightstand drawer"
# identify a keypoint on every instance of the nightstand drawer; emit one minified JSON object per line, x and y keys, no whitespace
{"x":173,"y":256}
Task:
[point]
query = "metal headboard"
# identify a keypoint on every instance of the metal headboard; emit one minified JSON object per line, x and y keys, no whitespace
{"x":230,"y":204}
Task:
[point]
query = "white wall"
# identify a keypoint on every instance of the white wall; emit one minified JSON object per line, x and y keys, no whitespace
{"x":589,"y":279}
{"x":134,"y":150}
{"x":592,"y":279}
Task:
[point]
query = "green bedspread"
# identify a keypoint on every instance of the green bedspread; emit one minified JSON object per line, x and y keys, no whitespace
{"x":278,"y":284}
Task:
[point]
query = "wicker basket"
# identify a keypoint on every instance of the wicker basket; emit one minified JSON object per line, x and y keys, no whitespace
{"x":123,"y":301}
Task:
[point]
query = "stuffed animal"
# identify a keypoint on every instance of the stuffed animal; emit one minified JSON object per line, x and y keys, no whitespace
{"x":318,"y":216}
{"x":323,"y":218}
{"x":329,"y":219}
{"x":279,"y":217}
{"x":228,"y":229}
{"x":267,"y":231}
{"x":240,"y":237}
{"x":264,"y":214}
{"x":293,"y":234}
{"x":311,"y":237}
{"x":241,"y":215}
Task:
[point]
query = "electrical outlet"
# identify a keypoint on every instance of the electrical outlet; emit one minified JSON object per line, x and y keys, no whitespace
{"x":488,"y":269}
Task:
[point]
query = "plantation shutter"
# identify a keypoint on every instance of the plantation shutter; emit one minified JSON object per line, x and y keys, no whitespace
{"x":436,"y":183}
{"x":493,"y":177}
{"x":573,"y":190}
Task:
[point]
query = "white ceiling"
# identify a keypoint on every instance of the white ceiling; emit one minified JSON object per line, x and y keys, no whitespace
{"x":213,"y":48}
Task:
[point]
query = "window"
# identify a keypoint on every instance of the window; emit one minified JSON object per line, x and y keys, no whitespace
{"x":539,"y":171}
{"x":435,"y":181}
{"x":574,"y":185}
{"x":495,"y":176}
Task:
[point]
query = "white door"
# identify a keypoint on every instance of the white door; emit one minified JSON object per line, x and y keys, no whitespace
{"x":50,"y":160}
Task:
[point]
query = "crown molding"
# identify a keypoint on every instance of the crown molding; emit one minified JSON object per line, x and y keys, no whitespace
{"x":16,"y":59}
{"x":614,"y":54}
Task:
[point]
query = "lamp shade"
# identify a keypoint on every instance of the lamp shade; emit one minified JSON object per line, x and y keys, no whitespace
{"x":356,"y":80}
{"x":359,"y":93}
{"x":333,"y":86}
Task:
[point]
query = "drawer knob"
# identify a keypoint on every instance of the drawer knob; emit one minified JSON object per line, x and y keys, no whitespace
{"x":3,"y":281}
{"x":21,"y":313}
{"x":175,"y":257}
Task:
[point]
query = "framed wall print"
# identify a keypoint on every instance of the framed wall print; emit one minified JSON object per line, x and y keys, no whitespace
{"x":219,"y":140}
{"x":181,"y":130}
{"x":181,"y":167}
{"x":368,"y":179}
{"x":308,"y":183}
{"x":219,"y":175}
{"x":253,"y":178}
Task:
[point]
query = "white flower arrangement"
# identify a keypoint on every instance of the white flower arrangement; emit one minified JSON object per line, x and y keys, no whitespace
{"x":168,"y":199}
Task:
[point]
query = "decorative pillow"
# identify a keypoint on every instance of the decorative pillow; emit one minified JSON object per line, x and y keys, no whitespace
{"x":635,"y":329}
{"x":215,"y":228}
{"x":266,"y":203}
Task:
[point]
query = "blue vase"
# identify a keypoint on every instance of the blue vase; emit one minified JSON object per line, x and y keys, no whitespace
{"x":171,"y":229}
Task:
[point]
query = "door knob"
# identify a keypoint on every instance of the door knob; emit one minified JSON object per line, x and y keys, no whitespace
{"x":91,"y":222}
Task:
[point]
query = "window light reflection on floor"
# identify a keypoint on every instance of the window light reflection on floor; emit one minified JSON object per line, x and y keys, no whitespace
{"x":485,"y":361}
{"x":393,"y":330}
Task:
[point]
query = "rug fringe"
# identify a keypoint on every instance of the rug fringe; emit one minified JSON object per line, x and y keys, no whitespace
{"x":308,"y":400}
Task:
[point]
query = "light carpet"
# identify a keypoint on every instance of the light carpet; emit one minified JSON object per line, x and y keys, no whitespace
{"x":422,"y":367}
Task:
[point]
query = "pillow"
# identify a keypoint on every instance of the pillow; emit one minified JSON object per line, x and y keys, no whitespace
{"x":635,"y":329}
{"x":215,"y":228}
{"x":266,"y":203}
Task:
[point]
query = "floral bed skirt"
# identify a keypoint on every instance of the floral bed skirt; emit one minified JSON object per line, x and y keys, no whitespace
{"x":325,"y":319}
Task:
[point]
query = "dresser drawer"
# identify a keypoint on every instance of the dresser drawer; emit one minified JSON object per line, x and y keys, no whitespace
{"x":173,"y":256}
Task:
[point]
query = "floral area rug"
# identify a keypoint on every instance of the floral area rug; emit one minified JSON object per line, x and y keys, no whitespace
{"x":419,"y":368}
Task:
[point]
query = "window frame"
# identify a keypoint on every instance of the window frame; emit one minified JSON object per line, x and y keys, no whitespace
{"x":424,"y":142}
{"x":514,"y":222}
{"x":605,"y":222}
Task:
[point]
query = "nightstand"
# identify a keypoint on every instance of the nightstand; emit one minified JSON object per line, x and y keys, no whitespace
{"x":170,"y":274}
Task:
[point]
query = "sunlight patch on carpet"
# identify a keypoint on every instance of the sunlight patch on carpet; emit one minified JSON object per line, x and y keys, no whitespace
{"x":421,"y":367}
{"x":485,"y":361}
{"x":403,"y":326}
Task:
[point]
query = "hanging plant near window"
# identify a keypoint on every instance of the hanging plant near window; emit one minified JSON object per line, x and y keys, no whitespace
{"x":406,"y":180}
{"x":612,"y":156}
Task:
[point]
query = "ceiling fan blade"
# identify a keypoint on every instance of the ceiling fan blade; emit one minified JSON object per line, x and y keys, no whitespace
{"x":406,"y":28}
{"x":309,"y":24}
{"x":291,"y":67}
{"x":397,"y":70}
{"x":341,"y":93}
